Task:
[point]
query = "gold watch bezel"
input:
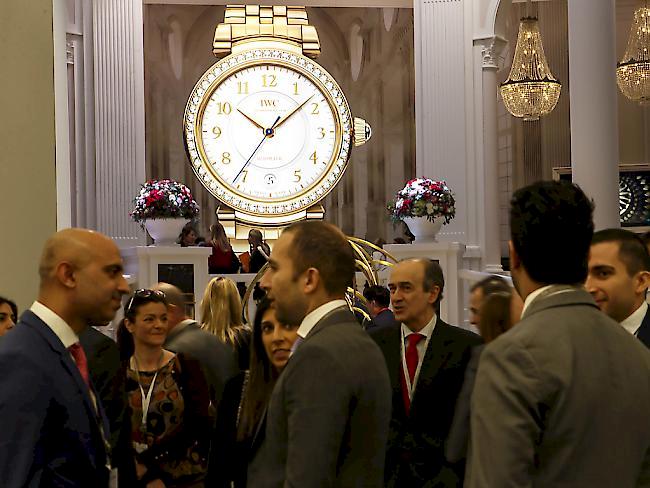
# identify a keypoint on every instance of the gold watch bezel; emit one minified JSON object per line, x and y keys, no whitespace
{"x":220,"y":189}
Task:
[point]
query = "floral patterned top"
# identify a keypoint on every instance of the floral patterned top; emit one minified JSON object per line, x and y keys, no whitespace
{"x":169,"y":443}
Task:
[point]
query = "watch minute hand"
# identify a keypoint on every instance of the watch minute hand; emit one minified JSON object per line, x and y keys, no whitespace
{"x":284,"y":119}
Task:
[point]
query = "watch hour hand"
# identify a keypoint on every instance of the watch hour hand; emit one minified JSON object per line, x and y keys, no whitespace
{"x":251,"y":119}
{"x":286,"y":116}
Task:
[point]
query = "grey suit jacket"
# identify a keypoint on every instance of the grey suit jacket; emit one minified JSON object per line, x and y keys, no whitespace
{"x":216,"y":358}
{"x":327,"y":420}
{"x":561,"y":400}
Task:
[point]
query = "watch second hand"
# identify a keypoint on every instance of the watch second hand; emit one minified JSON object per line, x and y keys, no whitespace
{"x":267,"y":133}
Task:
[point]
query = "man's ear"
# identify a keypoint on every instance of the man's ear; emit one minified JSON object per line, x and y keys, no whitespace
{"x":65,"y":273}
{"x":641,"y":282}
{"x":434,"y":293}
{"x":311,"y":280}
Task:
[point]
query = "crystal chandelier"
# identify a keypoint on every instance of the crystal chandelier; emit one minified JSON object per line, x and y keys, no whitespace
{"x":633,"y":72}
{"x":531,"y":90}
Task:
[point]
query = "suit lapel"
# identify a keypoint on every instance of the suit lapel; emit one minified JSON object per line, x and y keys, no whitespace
{"x":644,"y":331}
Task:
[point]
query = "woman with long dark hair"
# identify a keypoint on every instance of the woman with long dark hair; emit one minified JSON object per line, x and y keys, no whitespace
{"x":246,"y":397}
{"x":167,"y":398}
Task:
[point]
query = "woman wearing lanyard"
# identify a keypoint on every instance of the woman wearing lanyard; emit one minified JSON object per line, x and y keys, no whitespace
{"x":168,"y":399}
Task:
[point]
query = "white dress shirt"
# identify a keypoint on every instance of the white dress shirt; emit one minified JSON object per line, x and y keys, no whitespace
{"x":633,"y":322}
{"x":312,"y":318}
{"x":59,"y":326}
{"x":427,"y":332}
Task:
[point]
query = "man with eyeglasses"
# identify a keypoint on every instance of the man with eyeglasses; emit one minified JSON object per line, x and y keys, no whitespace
{"x":8,"y":315}
{"x":54,"y":430}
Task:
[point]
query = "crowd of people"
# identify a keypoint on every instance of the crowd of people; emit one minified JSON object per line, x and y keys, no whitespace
{"x":553,"y":391}
{"x":224,"y":260}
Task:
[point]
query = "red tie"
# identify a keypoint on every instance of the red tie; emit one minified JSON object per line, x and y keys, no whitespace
{"x":412,"y":366}
{"x":82,"y":362}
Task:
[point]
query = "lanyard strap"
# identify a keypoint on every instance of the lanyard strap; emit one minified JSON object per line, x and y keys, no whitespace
{"x":411,"y":387}
{"x":146,"y":398}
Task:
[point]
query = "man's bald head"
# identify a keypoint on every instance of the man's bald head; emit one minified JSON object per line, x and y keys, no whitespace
{"x":81,"y":277}
{"x":173,"y":294}
{"x":175,"y":300}
{"x":75,"y":246}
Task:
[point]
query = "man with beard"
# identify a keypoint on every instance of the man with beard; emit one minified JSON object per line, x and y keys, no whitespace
{"x":54,"y":431}
{"x":327,"y":420}
{"x":562,"y":399}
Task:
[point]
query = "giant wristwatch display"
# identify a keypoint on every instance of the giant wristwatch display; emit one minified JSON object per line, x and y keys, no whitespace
{"x":268,"y":130}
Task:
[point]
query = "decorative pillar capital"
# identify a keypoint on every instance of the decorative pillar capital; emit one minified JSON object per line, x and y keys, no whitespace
{"x":492,"y":51}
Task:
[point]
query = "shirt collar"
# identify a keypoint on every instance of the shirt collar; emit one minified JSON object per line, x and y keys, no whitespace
{"x":633,"y":322}
{"x":531,"y":297}
{"x":59,"y":326}
{"x":312,"y":318}
{"x":426,"y":331}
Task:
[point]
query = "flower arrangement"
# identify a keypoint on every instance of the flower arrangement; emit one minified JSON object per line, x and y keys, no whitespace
{"x":422,"y":197}
{"x":163,"y":199}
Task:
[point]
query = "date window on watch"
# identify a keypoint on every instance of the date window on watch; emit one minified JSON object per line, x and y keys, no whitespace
{"x":270,"y":179}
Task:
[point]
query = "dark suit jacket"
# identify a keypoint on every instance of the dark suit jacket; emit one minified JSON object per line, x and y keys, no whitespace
{"x":415,"y":454}
{"x":328,"y":415}
{"x":643,"y":334}
{"x":385,"y":318}
{"x":216,"y":358}
{"x":108,"y":378}
{"x":49,"y":428}
{"x":457,"y":441}
{"x":561,"y":400}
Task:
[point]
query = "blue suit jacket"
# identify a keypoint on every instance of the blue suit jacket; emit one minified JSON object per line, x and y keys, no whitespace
{"x":50,"y":432}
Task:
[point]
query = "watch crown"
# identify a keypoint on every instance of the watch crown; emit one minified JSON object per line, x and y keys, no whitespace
{"x":362,"y":131}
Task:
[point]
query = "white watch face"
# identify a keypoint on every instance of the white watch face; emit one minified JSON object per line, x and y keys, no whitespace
{"x":269,"y":135}
{"x":268,"y":132}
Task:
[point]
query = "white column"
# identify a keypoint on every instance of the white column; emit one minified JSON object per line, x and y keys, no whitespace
{"x":490,"y":51}
{"x":441,"y":75}
{"x":594,"y":116}
{"x":119,"y":115}
{"x":61,"y":120}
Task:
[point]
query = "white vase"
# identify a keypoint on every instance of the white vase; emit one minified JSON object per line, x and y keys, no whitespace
{"x":423,"y":229}
{"x":165,"y":232}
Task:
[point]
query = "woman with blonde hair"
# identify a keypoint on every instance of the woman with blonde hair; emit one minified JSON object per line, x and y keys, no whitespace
{"x":223,"y":258}
{"x":221,"y":312}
